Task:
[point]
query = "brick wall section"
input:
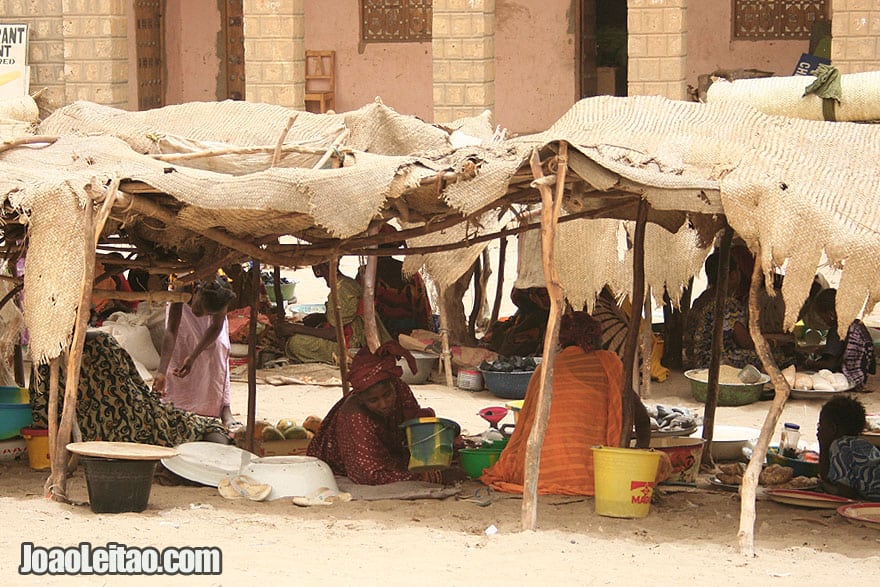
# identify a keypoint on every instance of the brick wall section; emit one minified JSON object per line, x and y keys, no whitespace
{"x":96,"y":51}
{"x":274,"y":49}
{"x":855,"y":32}
{"x":657,"y":48}
{"x":45,"y":45}
{"x":464,"y":58}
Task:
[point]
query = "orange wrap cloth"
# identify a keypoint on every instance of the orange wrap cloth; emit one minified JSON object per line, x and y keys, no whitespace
{"x":586,"y":411}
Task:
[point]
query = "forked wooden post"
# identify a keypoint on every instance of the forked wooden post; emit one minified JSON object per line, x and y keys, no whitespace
{"x":340,"y":328}
{"x":782,"y":389}
{"x":551,"y":205}
{"x":370,"y":324}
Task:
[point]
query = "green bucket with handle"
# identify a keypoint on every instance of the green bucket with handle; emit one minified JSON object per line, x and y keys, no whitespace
{"x":430,"y":442}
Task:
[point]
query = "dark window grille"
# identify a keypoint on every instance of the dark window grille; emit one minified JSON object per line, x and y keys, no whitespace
{"x":396,"y":21}
{"x":762,"y":20}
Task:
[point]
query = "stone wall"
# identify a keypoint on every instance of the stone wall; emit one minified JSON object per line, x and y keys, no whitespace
{"x":657,"y":48}
{"x":855,"y":32}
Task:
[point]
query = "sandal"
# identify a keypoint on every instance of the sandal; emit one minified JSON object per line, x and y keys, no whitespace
{"x":322,"y":496}
{"x":244,"y":486}
{"x":482,"y":497}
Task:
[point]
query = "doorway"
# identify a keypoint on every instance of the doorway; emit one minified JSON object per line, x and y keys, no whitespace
{"x":602,"y":51}
{"x":150,"y":47}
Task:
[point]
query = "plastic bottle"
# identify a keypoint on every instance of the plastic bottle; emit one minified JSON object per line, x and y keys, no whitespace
{"x":791,"y":434}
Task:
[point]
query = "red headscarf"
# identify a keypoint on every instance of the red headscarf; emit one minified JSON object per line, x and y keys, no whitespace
{"x":368,"y":369}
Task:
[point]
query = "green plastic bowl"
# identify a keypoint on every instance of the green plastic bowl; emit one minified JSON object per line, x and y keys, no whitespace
{"x":474,"y":460}
{"x":801,"y":467}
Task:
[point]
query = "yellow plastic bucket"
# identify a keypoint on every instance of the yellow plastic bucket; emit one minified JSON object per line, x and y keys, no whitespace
{"x":430,"y":442}
{"x":37,"y":441}
{"x":624,"y":480}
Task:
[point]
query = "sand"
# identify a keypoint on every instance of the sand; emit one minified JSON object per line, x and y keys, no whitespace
{"x":689,"y":537}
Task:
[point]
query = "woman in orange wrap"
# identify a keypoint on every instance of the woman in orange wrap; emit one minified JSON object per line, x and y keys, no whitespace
{"x":586,"y":411}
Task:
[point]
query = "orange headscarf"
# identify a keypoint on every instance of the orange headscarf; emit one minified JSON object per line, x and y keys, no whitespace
{"x":368,"y":369}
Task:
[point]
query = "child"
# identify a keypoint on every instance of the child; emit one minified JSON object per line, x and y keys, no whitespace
{"x":848,"y":465}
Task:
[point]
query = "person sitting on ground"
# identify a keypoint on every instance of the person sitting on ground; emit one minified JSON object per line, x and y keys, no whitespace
{"x":361,"y":435}
{"x":314,"y":341}
{"x":196,"y":349}
{"x":737,"y":348}
{"x":521,"y":335}
{"x":115,"y":405}
{"x":586,"y":411}
{"x":848,"y":465}
{"x":854,"y":356}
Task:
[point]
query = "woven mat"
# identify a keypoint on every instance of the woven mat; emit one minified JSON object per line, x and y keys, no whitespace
{"x":401,"y":490}
{"x":297,"y":374}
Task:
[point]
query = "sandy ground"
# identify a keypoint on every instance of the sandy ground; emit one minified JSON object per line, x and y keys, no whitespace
{"x":689,"y":537}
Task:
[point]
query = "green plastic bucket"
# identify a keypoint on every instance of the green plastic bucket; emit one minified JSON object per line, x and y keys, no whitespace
{"x":117,"y":485}
{"x":430,"y":442}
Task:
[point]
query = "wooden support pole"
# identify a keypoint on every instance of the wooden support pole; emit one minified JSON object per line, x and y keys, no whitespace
{"x":478,"y":297}
{"x":551,"y":206}
{"x":52,"y":417}
{"x":371,"y":327}
{"x":252,"y":356}
{"x":445,"y":355}
{"x":499,"y":284}
{"x":780,"y":386}
{"x":635,"y":321}
{"x":647,"y":348}
{"x":276,"y":287}
{"x":715,"y":351}
{"x":341,"y":347}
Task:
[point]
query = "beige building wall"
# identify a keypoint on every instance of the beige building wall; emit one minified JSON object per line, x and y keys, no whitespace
{"x":855,"y":29}
{"x":274,"y":49}
{"x":192,"y":51}
{"x":657,"y":48}
{"x":464,"y":58}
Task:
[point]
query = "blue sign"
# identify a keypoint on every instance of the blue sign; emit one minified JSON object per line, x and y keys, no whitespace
{"x":807,"y":64}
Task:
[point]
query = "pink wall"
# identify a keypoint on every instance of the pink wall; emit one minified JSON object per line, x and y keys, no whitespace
{"x":192,"y":30}
{"x":710,"y":46}
{"x":399,"y":73}
{"x":535,"y":68}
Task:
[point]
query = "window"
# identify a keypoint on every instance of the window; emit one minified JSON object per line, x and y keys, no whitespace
{"x":776,"y":19}
{"x":396,"y":21}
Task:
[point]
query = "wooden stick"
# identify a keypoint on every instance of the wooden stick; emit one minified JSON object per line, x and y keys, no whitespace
{"x":277,"y":154}
{"x":371,"y":328}
{"x":717,"y":336}
{"x":279,"y":297}
{"x":333,"y":147}
{"x":552,"y":204}
{"x":780,"y":386}
{"x":52,"y":417}
{"x":33,"y":140}
{"x":478,"y":297}
{"x":647,"y":348}
{"x":140,"y":296}
{"x":499,"y":284}
{"x":341,"y":347}
{"x":172,"y":157}
{"x":632,"y":335}
{"x":252,"y":354}
{"x":445,"y":355}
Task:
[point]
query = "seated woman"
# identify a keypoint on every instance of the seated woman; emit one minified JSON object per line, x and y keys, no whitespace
{"x":116,"y":405}
{"x":522,"y":335}
{"x":361,"y":436}
{"x":854,"y":356}
{"x":848,"y":465}
{"x":314,"y":341}
{"x":586,"y":411}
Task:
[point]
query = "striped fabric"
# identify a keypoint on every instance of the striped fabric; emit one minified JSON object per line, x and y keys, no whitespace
{"x":585,"y":412}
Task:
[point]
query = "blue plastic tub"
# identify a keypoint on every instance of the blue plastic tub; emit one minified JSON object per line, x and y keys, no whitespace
{"x":507,"y":384}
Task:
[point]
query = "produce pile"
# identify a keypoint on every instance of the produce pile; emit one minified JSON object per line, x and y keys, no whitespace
{"x":823,"y":380}
{"x":671,"y":419}
{"x":510,"y":364}
{"x":284,"y":429}
{"x":775,"y":476}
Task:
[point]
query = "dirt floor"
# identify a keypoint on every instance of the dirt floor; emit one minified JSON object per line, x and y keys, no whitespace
{"x":689,"y":537}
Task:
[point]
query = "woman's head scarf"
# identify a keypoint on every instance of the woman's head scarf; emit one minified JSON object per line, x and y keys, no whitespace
{"x":368,"y":369}
{"x":580,"y":329}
